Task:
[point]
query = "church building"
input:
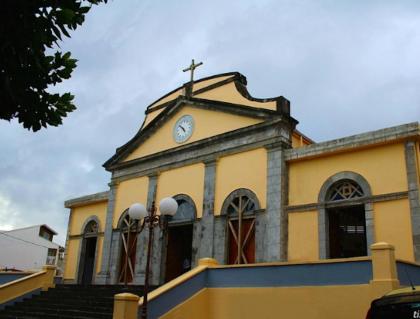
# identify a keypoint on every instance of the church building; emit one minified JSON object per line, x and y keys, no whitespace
{"x":250,"y":188}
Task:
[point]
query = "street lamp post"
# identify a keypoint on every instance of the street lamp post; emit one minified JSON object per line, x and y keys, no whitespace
{"x":168,"y":207}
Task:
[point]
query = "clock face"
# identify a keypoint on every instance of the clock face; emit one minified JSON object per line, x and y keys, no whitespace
{"x":183,"y":128}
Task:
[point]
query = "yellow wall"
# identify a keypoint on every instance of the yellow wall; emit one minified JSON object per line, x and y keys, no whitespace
{"x":129,"y":192}
{"x":151,"y":116}
{"x":393,"y":225}
{"x":77,"y":219}
{"x":324,"y":302}
{"x":187,"y":180}
{"x":383,"y":167}
{"x":206,"y":124}
{"x":303,"y":236}
{"x":198,"y":306}
{"x":229,"y":93}
{"x":81,"y":213}
{"x":72,"y":251}
{"x":197,"y":86}
{"x":72,"y":258}
{"x":243,"y":170}
{"x":298,"y":140}
{"x":43,"y":279}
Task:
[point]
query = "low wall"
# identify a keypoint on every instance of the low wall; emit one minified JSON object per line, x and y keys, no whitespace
{"x":321,"y":302}
{"x":408,"y":273}
{"x":315,"y":290}
{"x":27,"y":285}
{"x":327,"y":289}
{"x":6,"y":277}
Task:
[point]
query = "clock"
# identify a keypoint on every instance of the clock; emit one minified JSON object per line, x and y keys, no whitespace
{"x":183,"y":128}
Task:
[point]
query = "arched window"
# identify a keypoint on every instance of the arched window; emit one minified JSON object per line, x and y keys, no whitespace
{"x":240,"y":207}
{"x":345,"y":219}
{"x":344,"y":189}
{"x":186,"y":209}
{"x":91,"y":229}
{"x":128,"y":229}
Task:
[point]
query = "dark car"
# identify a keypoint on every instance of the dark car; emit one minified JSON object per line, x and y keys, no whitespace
{"x":398,"y":304}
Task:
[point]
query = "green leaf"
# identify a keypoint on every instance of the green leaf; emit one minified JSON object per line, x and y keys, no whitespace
{"x":65,"y":16}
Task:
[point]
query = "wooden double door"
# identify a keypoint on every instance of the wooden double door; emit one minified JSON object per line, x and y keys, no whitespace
{"x":241,"y":240}
{"x":178,"y":250}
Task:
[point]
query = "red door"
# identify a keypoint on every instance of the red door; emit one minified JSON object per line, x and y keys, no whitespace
{"x":241,"y":241}
{"x":127,"y":264}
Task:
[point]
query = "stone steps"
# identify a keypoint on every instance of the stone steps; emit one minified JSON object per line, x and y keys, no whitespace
{"x":69,"y":302}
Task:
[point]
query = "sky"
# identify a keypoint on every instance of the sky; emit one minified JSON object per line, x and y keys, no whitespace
{"x":346,"y":66}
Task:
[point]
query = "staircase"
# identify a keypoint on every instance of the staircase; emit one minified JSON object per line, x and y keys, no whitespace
{"x":69,"y":302}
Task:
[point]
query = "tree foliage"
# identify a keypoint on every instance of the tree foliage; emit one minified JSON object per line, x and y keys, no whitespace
{"x":31,"y":62}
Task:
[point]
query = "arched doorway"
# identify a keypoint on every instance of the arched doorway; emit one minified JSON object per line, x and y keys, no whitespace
{"x":88,"y":253}
{"x":179,"y":238}
{"x":239,"y":208}
{"x":348,"y":217}
{"x":128,"y":230}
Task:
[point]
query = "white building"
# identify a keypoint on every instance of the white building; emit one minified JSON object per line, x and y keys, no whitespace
{"x":28,"y":248}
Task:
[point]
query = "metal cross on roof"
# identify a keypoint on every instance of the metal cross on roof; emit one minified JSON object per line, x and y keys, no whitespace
{"x":191,"y":68}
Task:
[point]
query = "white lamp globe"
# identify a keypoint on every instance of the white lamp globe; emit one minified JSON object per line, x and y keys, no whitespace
{"x":168,"y":206}
{"x":137,"y":211}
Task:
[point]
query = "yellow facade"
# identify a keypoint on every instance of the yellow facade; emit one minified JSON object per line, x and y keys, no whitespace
{"x":303,"y":236}
{"x":129,"y":192}
{"x":206,"y":124}
{"x":186,"y":180}
{"x":228,"y":93}
{"x":151,"y":116}
{"x":72,"y":252}
{"x":82,"y":213}
{"x":197,"y":86}
{"x":393,"y":225}
{"x":383,"y":167}
{"x":248,"y":160}
{"x":78,"y":218}
{"x":243,"y":170}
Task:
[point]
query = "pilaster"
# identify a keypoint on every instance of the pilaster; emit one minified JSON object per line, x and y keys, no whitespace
{"x":67,"y":248}
{"x":103,"y":277}
{"x":276,"y":217}
{"x":413,"y":194}
{"x":142,"y":240}
{"x":384,"y":269}
{"x":205,"y":236}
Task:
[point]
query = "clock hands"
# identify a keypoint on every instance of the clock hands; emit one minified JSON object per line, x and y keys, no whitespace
{"x":183,"y":129}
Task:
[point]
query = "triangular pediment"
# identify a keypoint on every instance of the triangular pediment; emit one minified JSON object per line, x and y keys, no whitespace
{"x":209,"y":119}
{"x":217,"y":105}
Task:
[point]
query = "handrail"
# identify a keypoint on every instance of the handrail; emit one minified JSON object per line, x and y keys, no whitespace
{"x":16,"y":281}
{"x":174,"y":283}
{"x":43,"y":279}
{"x":207,"y":263}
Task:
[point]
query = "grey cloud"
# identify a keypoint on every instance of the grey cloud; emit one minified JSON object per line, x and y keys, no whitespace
{"x":347,"y":67}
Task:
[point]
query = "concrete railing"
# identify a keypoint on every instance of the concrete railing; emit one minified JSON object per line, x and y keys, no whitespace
{"x":126,"y":305}
{"x":8,"y":276}
{"x":41,"y":280}
{"x":210,"y":287}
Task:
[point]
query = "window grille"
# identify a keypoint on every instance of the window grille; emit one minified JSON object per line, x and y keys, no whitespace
{"x":240,"y":205}
{"x":91,"y":228}
{"x":345,"y":190}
